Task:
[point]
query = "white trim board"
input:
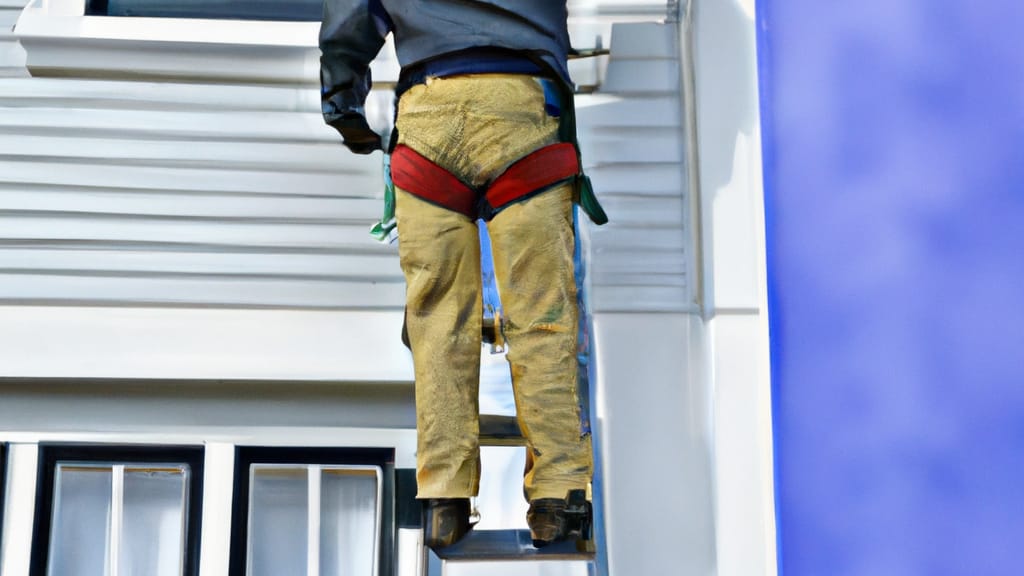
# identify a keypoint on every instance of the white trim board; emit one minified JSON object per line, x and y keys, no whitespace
{"x":195,"y":343}
{"x":734,"y":285}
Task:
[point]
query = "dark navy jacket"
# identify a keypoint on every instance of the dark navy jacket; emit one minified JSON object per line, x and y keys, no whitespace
{"x":431,"y":31}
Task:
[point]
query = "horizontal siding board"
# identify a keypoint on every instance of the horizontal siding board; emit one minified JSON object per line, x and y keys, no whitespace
{"x":656,"y":268}
{"x":645,"y":211}
{"x":269,"y":264}
{"x":620,"y":178}
{"x":218,"y":291}
{"x":639,"y":280}
{"x":173,"y":194}
{"x":170,"y":124}
{"x":658,"y":110}
{"x":295,"y":234}
{"x":620,"y":238}
{"x":124,"y":95}
{"x":655,"y":264}
{"x":179,"y":203}
{"x":276,"y":156}
{"x":364,"y":182}
{"x":646,"y":299}
{"x":640,"y":145}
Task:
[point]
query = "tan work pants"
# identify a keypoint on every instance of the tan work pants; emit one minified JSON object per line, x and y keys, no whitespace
{"x":474,"y":127}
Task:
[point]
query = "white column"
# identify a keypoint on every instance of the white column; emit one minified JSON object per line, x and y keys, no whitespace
{"x":735,"y":286}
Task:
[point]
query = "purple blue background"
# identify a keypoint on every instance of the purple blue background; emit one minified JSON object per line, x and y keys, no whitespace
{"x":894,"y":173}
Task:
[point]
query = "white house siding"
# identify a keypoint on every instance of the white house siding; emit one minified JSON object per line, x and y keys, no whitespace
{"x":183,"y":209}
{"x":142,"y":194}
{"x":634,"y":143}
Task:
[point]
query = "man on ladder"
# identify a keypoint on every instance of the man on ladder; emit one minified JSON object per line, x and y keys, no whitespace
{"x":484,"y":129}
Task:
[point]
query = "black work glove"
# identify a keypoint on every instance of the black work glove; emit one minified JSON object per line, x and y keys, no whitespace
{"x":357,"y":135}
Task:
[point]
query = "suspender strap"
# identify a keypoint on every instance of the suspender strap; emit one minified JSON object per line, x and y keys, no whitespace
{"x":413,"y":173}
{"x":533,"y":173}
{"x":567,"y":133}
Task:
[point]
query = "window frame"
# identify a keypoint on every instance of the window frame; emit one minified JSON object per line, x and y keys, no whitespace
{"x":102,"y":8}
{"x":246,"y":456}
{"x":3,"y":489}
{"x":52,"y":454}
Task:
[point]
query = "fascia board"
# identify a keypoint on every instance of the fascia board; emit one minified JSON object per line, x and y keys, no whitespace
{"x":63,"y":44}
{"x":179,"y":49}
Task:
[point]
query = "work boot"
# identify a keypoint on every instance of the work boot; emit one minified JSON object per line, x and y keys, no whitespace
{"x":445,"y":521}
{"x":556,"y":519}
{"x":546,"y":518}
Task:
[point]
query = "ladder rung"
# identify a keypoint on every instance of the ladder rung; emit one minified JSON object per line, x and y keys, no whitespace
{"x":513,"y":545}
{"x":588,"y":53}
{"x":500,"y":431}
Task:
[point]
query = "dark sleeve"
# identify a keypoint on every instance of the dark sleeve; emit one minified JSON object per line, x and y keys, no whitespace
{"x":352,"y":32}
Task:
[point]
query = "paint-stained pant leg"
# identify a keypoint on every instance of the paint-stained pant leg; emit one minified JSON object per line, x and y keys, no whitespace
{"x":440,"y":255}
{"x":533,"y":244}
{"x":474,"y":127}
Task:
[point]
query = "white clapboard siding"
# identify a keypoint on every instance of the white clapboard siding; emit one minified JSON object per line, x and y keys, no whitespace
{"x":145,"y":260}
{"x":634,"y":148}
{"x":147,"y":194}
{"x":105,"y":94}
{"x":12,"y":56}
{"x":223,"y":290}
{"x":133,"y":193}
{"x":130,"y":202}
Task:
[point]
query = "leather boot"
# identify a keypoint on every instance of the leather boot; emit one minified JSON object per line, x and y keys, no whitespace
{"x":445,"y":521}
{"x":546,"y":518}
{"x":554,"y":519}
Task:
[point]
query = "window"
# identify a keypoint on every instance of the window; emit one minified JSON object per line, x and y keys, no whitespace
{"x":281,"y":10}
{"x":312,"y":512}
{"x":108,"y":511}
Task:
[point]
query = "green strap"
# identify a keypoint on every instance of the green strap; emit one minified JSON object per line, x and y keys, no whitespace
{"x":385,"y":230}
{"x":588,"y":201}
{"x":584,"y":193}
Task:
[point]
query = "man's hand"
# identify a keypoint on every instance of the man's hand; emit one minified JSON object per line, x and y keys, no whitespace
{"x":357,"y":135}
{"x":361,"y":141}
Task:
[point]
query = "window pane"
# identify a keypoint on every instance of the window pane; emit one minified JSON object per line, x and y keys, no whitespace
{"x":153,"y":537}
{"x":79,"y":542}
{"x":278,"y":520}
{"x":289,"y":10}
{"x":348,"y":522}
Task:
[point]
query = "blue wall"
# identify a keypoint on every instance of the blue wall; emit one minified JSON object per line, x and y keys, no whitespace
{"x":894,"y":173}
